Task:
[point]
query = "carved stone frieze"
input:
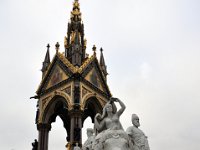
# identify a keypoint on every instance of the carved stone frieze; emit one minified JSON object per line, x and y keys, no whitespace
{"x":84,"y":91}
{"x":87,"y":93}
{"x":67,"y":90}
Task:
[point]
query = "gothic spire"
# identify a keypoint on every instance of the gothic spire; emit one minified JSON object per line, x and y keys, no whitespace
{"x":46,"y":60}
{"x":75,"y":44}
{"x":102,"y":63}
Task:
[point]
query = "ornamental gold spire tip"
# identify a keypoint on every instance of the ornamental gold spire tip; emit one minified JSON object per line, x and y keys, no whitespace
{"x":75,"y":13}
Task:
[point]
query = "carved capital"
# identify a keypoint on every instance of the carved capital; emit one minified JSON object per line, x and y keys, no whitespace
{"x":44,"y":126}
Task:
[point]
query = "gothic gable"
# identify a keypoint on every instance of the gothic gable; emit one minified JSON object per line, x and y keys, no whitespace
{"x":94,"y":78}
{"x":93,"y":74}
{"x":57,"y":72}
{"x":58,"y":75}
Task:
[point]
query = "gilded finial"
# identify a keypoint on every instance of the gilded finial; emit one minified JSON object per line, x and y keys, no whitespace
{"x":94,"y":49}
{"x":57,"y":47}
{"x":76,"y":14}
{"x":76,"y":3}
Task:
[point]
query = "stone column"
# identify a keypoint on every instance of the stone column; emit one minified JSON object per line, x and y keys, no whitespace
{"x":43,"y":130}
{"x":75,"y":128}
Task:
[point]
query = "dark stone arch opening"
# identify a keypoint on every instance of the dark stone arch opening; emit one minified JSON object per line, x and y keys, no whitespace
{"x":92,"y":107}
{"x":58,"y":106}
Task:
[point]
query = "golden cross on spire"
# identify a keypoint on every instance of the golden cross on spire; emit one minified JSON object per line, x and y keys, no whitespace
{"x":76,"y":1}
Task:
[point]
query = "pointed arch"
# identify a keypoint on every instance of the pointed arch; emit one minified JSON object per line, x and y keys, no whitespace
{"x":91,"y":106}
{"x":59,"y":105}
{"x":49,"y":103}
{"x":54,"y":107}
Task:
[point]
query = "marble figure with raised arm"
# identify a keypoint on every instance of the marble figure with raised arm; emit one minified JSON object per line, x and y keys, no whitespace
{"x":110,"y":133}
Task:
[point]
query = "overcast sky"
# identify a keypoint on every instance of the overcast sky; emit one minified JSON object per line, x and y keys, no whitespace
{"x":151,"y":48}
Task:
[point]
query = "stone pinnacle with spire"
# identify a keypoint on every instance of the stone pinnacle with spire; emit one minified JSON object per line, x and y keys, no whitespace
{"x":75,"y":44}
{"x":46,"y":60}
{"x":103,"y":64}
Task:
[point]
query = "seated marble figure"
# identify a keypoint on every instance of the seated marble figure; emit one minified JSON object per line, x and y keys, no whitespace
{"x":88,"y":143}
{"x":109,"y":131}
{"x":139,"y":139}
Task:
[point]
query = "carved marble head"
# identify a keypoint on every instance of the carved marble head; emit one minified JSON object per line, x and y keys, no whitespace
{"x":135,"y":120}
{"x":110,"y":106}
{"x":90,"y":132}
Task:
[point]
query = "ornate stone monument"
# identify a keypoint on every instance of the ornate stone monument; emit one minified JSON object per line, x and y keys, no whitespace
{"x":74,"y":87}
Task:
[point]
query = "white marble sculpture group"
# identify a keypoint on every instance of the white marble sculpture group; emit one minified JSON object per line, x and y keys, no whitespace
{"x":109,"y":133}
